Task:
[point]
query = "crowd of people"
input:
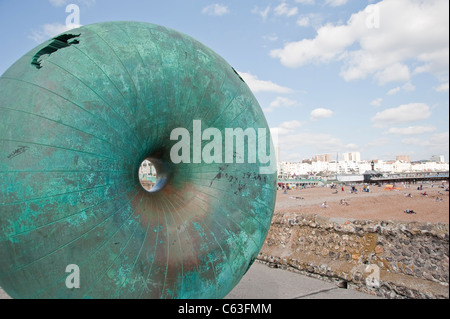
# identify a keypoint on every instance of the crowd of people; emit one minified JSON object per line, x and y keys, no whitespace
{"x":438,"y":198}
{"x":352,"y":189}
{"x":342,"y":202}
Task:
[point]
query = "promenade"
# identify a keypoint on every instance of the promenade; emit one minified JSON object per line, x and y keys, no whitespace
{"x":263,"y":282}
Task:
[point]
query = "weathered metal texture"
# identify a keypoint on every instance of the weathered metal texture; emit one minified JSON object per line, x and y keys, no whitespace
{"x":78,"y":115}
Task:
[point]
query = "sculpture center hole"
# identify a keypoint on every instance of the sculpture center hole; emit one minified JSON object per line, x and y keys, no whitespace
{"x":153,"y":175}
{"x":148,"y":175}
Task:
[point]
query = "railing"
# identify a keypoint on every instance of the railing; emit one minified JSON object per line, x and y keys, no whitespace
{"x":422,"y":175}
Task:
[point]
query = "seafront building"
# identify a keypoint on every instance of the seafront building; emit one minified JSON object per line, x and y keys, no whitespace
{"x":332,"y":169}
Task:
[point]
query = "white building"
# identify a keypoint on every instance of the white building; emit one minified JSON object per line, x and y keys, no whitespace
{"x":430,"y":167}
{"x":351,"y":157}
{"x":288,"y":169}
{"x":147,"y":168}
{"x":438,"y":158}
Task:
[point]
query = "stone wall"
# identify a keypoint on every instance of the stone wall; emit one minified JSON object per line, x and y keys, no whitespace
{"x":385,"y":258}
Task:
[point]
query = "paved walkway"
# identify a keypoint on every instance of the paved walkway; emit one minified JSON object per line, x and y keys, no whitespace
{"x":3,"y":295}
{"x":262,"y":282}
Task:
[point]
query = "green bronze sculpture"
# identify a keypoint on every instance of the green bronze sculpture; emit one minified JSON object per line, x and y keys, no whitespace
{"x":78,"y":115}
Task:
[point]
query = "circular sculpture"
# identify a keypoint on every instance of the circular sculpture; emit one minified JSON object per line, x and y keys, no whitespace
{"x":78,"y":115}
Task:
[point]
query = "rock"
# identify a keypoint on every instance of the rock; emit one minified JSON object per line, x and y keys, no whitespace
{"x":356,"y":256}
{"x":417,"y":250}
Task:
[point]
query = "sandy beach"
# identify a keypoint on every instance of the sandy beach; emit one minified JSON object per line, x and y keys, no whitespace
{"x":378,"y":204}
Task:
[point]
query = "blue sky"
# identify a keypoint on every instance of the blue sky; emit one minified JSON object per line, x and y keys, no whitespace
{"x":333,"y":76}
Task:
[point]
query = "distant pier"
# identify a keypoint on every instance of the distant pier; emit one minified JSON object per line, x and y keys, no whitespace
{"x":369,"y":177}
{"x":412,"y":178}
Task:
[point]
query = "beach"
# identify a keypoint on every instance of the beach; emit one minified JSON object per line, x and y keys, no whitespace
{"x":378,"y":204}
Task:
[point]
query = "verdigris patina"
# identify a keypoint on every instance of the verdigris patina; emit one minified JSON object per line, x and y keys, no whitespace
{"x":78,"y":115}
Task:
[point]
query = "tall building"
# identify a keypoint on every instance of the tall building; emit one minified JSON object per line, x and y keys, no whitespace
{"x":147,"y":168}
{"x":351,"y":157}
{"x":438,"y":158}
{"x":404,"y":158}
{"x":323,"y":158}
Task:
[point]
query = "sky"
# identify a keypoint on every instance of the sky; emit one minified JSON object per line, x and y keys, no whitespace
{"x":332,"y":76}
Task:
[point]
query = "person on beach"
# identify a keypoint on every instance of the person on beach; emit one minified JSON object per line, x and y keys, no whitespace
{"x":344,"y":203}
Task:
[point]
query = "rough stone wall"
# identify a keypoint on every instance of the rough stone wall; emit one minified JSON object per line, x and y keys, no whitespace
{"x":386,"y":258}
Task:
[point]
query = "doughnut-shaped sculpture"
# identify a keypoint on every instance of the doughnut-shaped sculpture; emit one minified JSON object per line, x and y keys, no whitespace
{"x":78,"y":115}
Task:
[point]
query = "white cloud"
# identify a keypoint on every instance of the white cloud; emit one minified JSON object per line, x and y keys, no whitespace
{"x":321,"y":113}
{"x":270,"y":37}
{"x":402,"y":114}
{"x":336,"y":3}
{"x":321,"y":142}
{"x":257,"y":85}
{"x":377,"y":102}
{"x":329,"y":42}
{"x":352,"y":147}
{"x":437,"y":143}
{"x":433,"y":61}
{"x":305,"y":1}
{"x":264,"y":13}
{"x":393,"y":73}
{"x":310,"y":20}
{"x":281,"y":131}
{"x":442,"y":88}
{"x":216,"y":10}
{"x":410,"y":34}
{"x":60,"y":3}
{"x":280,"y":102}
{"x":409,"y":87}
{"x":291,"y":124}
{"x":378,"y":142}
{"x":285,"y":10}
{"x":394,"y":91}
{"x":303,"y":21}
{"x":48,"y":31}
{"x":440,"y":140}
{"x":286,"y":128}
{"x":412,"y":130}
{"x":295,"y":145}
